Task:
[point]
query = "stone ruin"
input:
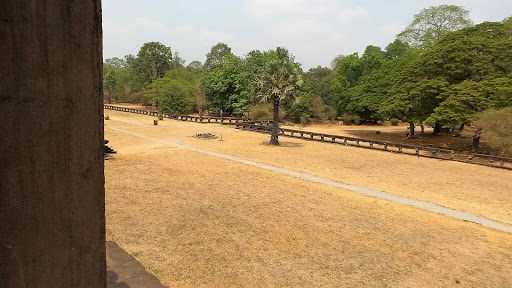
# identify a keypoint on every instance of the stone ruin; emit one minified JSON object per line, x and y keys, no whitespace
{"x":205,"y":136}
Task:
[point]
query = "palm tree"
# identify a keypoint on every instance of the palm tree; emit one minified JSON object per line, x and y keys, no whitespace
{"x":277,"y":81}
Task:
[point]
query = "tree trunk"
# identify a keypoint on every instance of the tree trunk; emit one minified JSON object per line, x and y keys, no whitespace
{"x":274,"y":137}
{"x":476,"y":139}
{"x":109,"y":97}
{"x":461,"y":128}
{"x":437,"y":128}
{"x":411,"y":129}
{"x":154,"y":108}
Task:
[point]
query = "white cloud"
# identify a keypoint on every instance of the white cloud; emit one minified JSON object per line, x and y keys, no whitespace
{"x":262,"y":8}
{"x":181,"y":31}
{"x":391,"y":28}
{"x":302,"y":30}
{"x":208,"y":38}
{"x":149,"y":24}
{"x":352,"y":14}
{"x":307,"y":40}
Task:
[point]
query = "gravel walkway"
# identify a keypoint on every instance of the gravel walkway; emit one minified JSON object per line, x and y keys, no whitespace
{"x":363,"y":190}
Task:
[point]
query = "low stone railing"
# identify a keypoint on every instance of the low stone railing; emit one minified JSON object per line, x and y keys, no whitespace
{"x":265,"y":126}
{"x":198,"y":119}
{"x":417,"y":150}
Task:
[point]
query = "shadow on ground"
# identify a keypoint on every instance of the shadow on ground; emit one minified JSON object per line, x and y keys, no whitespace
{"x":283,"y":144}
{"x":124,"y":271}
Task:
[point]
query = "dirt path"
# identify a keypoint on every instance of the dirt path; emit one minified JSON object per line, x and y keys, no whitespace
{"x":363,"y":190}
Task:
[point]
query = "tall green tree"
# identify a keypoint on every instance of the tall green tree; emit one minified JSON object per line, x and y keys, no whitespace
{"x":220,"y":85}
{"x":152,"y":61}
{"x":116,"y":62}
{"x":396,"y":49}
{"x":319,"y":81}
{"x":278,"y":81}
{"x":109,"y":81}
{"x":478,"y":66}
{"x":335,"y":62}
{"x":431,"y":24}
{"x":367,"y":100}
{"x":175,"y":96}
{"x":229,"y":88}
{"x":216,"y":57}
{"x":315,"y":96}
{"x":195,"y":65}
{"x":372,"y":59}
{"x":176,"y":92}
{"x":353,"y":72}
{"x":413,"y":98}
{"x":464,"y":73}
{"x":347,"y":75}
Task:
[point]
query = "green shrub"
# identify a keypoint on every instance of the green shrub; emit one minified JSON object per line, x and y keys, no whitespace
{"x":139,"y":97}
{"x":160,"y":116}
{"x":316,"y":108}
{"x":107,"y":117}
{"x":260,"y":112}
{"x":496,"y":128}
{"x":347,"y":119}
{"x":394,"y":121}
{"x":300,"y":111}
{"x":357,"y":120}
{"x":303,"y":120}
{"x":329,"y":112}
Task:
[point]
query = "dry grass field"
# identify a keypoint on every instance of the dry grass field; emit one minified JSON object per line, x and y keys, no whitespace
{"x":196,"y":220}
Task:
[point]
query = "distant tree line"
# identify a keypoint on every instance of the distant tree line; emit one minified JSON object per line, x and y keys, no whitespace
{"x":441,"y":71}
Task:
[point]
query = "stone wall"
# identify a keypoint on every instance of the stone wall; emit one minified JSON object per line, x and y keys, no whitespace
{"x":52,"y":218}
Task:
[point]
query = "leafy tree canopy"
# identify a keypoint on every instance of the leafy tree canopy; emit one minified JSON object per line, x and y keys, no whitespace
{"x":477,"y":64}
{"x":176,"y":91}
{"x":216,"y":57}
{"x":431,"y":24}
{"x":318,"y":81}
{"x":396,"y":49}
{"x":116,"y":62}
{"x":152,"y":61}
{"x":109,"y":81}
{"x":195,"y":65}
{"x":464,"y":73}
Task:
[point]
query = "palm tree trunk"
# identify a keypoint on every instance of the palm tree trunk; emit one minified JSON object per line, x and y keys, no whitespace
{"x":274,"y":137}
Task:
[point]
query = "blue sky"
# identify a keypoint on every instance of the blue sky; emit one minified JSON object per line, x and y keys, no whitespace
{"x":315,"y":31}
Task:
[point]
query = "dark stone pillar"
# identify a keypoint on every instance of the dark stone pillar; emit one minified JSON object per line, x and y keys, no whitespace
{"x":52,"y":207}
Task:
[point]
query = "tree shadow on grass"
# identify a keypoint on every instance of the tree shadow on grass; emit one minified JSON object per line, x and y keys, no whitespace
{"x":283,"y":144}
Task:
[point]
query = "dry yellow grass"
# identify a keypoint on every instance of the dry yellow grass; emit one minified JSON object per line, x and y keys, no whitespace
{"x":196,"y":220}
{"x":483,"y":191}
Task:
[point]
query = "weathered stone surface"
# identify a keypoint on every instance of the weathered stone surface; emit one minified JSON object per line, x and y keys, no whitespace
{"x":52,"y":231}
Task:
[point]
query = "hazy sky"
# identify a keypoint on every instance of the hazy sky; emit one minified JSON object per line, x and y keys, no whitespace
{"x":315,"y":31}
